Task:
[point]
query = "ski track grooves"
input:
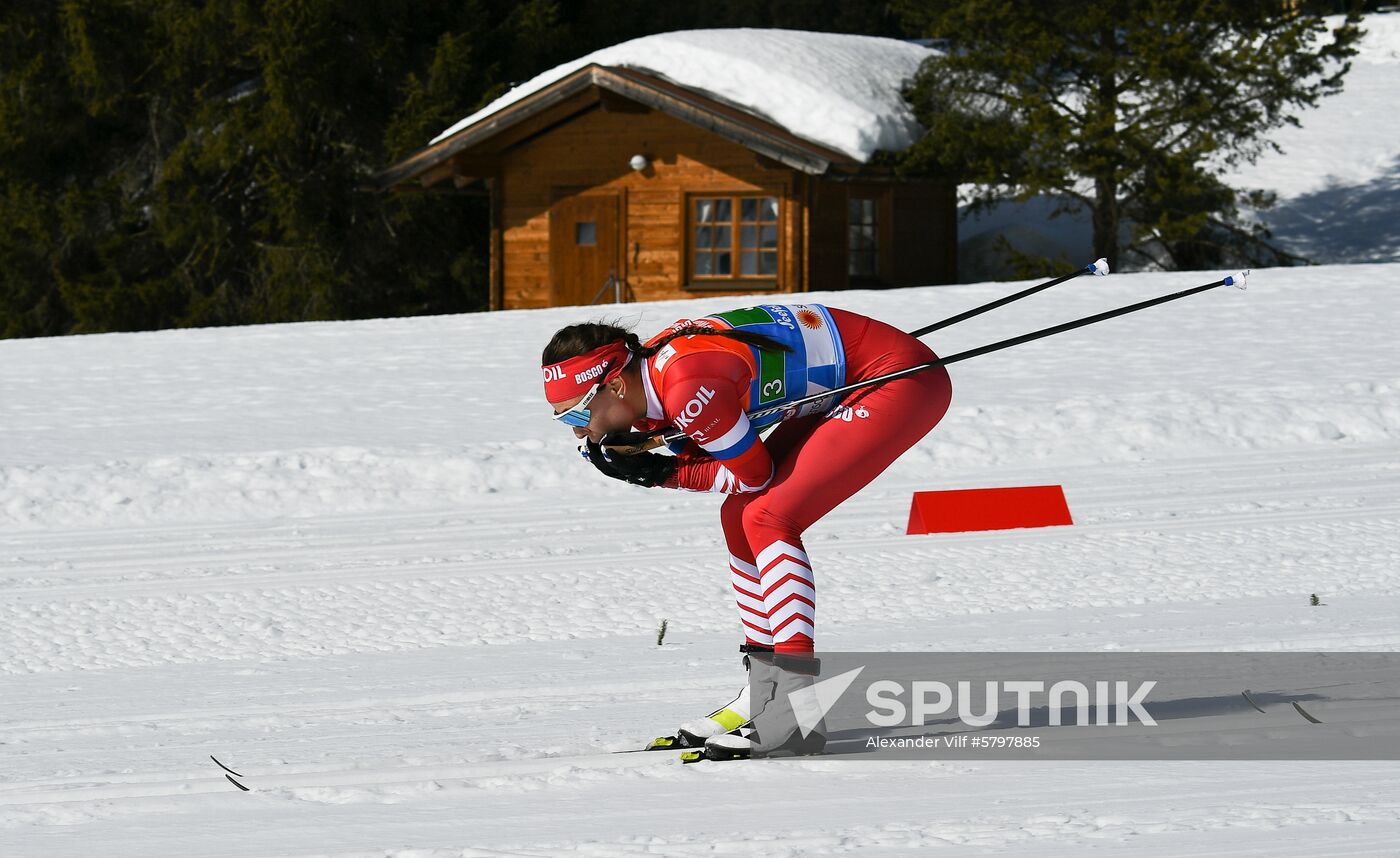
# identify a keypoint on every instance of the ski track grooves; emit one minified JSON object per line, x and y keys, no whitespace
{"x":340,"y":543}
{"x":392,"y":583}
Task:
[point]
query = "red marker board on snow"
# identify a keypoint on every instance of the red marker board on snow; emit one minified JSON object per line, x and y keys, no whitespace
{"x":962,"y":510}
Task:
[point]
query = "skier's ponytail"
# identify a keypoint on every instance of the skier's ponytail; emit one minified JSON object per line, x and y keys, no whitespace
{"x":583,"y":338}
{"x":748,"y":337}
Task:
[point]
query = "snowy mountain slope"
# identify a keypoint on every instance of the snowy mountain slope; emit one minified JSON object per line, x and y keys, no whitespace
{"x":358,"y":564}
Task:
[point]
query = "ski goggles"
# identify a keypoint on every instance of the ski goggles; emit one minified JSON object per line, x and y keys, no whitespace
{"x":579,"y":415}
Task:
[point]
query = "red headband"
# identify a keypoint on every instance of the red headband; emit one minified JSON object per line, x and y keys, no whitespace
{"x":574,"y":376}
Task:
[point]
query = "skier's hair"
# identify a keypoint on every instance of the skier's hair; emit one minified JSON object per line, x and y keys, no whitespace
{"x":583,"y":338}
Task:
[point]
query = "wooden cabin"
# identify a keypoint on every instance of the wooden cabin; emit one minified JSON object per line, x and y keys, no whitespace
{"x":612,"y":183}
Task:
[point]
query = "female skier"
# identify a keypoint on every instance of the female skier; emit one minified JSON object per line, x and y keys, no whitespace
{"x":701,"y":376}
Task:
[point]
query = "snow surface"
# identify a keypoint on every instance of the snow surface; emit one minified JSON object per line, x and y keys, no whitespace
{"x":358,"y":564}
{"x":1352,"y":138}
{"x":839,"y":90}
{"x":1338,"y":176}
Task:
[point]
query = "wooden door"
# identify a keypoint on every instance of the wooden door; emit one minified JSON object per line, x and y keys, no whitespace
{"x":583,"y":247}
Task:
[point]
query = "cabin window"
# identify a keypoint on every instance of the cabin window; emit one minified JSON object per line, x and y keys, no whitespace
{"x":861,"y":237}
{"x":586,"y":233}
{"x":734,"y":238}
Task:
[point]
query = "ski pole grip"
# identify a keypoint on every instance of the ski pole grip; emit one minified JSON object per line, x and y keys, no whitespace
{"x":631,"y":443}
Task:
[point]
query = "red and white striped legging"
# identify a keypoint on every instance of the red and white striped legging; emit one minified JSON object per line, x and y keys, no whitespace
{"x":819,"y":461}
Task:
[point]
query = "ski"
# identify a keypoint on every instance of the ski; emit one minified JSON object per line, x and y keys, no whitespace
{"x":700,"y":755}
{"x":1301,"y":711}
{"x":1256,"y":706}
{"x":689,"y":753}
{"x":661,"y":743}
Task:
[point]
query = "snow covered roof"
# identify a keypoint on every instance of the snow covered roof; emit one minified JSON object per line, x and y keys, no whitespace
{"x":839,"y":91}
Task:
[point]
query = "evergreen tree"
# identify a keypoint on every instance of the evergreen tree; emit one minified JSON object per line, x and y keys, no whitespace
{"x":166,"y":163}
{"x":170,"y":164}
{"x":1133,"y":109}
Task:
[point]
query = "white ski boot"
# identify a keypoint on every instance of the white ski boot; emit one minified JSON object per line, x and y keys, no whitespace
{"x":773,"y":729}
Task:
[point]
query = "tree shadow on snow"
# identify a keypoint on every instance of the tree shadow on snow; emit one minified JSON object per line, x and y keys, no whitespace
{"x":1338,"y":224}
{"x":1342,"y":223}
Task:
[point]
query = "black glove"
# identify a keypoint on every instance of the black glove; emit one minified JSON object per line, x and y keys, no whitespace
{"x":642,"y":469}
{"x":615,"y":443}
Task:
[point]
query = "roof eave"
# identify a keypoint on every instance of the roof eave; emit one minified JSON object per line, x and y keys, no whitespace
{"x":733,"y":123}
{"x":425,"y":159}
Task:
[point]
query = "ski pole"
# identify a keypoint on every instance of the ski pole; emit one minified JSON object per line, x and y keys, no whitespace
{"x":1237,"y":280}
{"x":823,"y":401}
{"x":1098,"y":267}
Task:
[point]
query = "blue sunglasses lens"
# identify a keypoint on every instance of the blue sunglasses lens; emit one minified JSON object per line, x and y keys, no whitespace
{"x":579,"y":415}
{"x":575,"y":417}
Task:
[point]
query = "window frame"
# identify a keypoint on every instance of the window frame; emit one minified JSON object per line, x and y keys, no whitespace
{"x":734,"y":281}
{"x":875,"y":201}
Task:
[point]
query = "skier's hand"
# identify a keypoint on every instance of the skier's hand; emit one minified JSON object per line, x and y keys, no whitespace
{"x":643,"y":469}
{"x":630,"y":443}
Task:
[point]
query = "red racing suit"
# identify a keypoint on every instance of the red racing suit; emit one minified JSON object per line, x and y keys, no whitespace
{"x":778,"y":487}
